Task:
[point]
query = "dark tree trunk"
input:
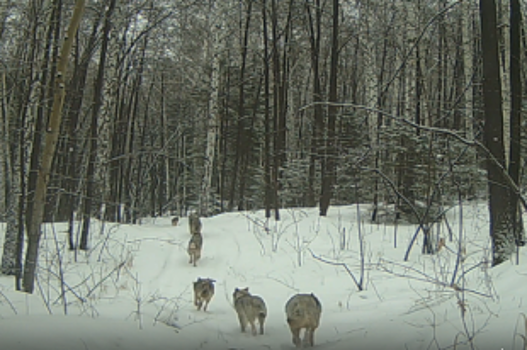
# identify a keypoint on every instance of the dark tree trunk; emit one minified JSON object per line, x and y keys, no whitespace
{"x":97,"y":104}
{"x":69,"y":202}
{"x":501,"y":226}
{"x":267,"y":119}
{"x":328,"y":180}
{"x":9,"y":253}
{"x":36,"y":149}
{"x":241,"y":136}
{"x":277,"y":92}
{"x":318,"y":117}
{"x":248,"y":146}
{"x":50,"y":56}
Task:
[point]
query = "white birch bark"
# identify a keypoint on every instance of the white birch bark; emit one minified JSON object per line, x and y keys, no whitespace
{"x":505,"y":48}
{"x":216,"y":22}
{"x":468,"y":52}
{"x":412,"y":16}
{"x":370,"y":78}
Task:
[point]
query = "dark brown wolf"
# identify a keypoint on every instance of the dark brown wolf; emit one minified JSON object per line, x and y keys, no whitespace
{"x":303,"y":311}
{"x":249,"y":308}
{"x":203,"y":292}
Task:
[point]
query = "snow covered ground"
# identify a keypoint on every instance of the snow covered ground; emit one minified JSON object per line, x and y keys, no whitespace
{"x":133,"y":289}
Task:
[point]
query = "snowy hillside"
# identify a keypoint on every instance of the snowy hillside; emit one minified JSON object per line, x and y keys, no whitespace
{"x":133,"y":289}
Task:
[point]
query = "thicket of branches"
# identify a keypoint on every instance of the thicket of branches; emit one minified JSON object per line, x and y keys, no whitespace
{"x":243,"y":104}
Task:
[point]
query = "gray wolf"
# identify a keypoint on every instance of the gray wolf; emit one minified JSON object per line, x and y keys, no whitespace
{"x":175,"y":221}
{"x":194,"y":223}
{"x":303,"y":311}
{"x":194,"y":248}
{"x":249,"y":308}
{"x":203,"y":292}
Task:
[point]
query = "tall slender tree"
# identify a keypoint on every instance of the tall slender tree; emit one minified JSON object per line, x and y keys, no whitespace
{"x":328,"y":175}
{"x":501,"y":225}
{"x":35,"y":221}
{"x":515,"y":116}
{"x":97,"y":104}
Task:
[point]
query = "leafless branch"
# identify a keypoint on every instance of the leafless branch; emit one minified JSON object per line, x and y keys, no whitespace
{"x":359,"y":286}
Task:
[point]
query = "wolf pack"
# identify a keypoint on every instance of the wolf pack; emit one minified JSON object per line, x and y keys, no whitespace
{"x":302,"y":310}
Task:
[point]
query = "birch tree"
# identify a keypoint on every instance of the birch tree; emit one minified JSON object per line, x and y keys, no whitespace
{"x":215,"y":50}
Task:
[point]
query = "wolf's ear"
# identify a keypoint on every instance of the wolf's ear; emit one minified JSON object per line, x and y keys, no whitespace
{"x":246,"y":289}
{"x":199,"y":279}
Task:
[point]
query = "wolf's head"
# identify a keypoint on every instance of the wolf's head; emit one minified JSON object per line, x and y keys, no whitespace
{"x":238,"y":293}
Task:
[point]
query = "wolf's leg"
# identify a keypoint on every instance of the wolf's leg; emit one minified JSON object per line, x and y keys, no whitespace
{"x":253,"y":327}
{"x":242,"y":322}
{"x":308,"y":336}
{"x":312,"y":337}
{"x":296,"y":336}
{"x":261,"y":320}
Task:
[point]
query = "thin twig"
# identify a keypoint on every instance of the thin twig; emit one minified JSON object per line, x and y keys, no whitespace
{"x":359,"y":287}
{"x":9,"y":302}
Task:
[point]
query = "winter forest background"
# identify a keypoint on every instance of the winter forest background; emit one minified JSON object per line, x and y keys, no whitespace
{"x":162,"y":107}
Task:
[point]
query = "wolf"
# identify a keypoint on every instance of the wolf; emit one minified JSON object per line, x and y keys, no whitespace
{"x":249,"y":308}
{"x":303,"y":311}
{"x":175,"y":221}
{"x":194,"y":223}
{"x":194,"y":248}
{"x":203,"y":292}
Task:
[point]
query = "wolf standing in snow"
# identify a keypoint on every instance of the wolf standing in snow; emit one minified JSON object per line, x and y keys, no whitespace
{"x":249,"y":308}
{"x":303,"y":311}
{"x":194,"y":248}
{"x":194,"y":223}
{"x":175,"y":221}
{"x":203,"y":292}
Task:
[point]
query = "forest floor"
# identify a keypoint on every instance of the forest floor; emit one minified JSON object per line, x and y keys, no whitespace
{"x":133,"y":288}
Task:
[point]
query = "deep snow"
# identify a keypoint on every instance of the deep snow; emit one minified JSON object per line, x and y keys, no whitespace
{"x":133,"y":289}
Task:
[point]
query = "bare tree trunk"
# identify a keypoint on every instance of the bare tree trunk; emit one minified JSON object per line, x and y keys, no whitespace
{"x":328,"y":180}
{"x":241,"y":136}
{"x":267,"y":119}
{"x":318,"y":117}
{"x":97,"y":104}
{"x":504,"y":54}
{"x":467,"y":32}
{"x":247,"y":156}
{"x":69,"y":202}
{"x":213,"y":116}
{"x":280,"y":75}
{"x":21,"y":97}
{"x":501,"y":226}
{"x":43,"y":109}
{"x":515,"y":116}
{"x":276,"y":107}
{"x":9,"y":253}
{"x":34,"y":229}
